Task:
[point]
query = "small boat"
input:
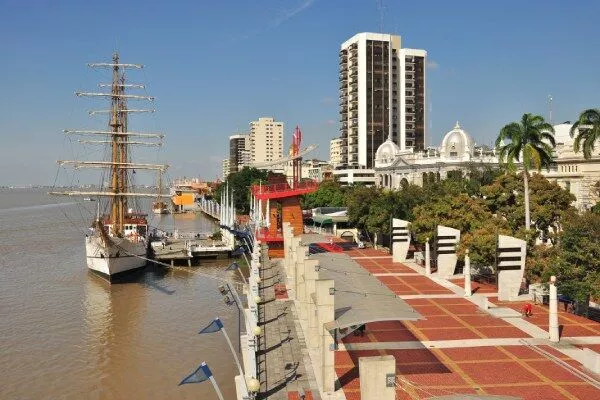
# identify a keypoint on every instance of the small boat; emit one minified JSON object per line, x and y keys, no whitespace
{"x":160,"y":207}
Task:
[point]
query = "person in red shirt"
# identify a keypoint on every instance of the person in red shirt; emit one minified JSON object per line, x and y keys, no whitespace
{"x":527,"y":310}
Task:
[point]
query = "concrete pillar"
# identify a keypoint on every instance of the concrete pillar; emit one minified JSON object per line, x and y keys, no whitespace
{"x":467,"y":273}
{"x":377,"y":377}
{"x":312,"y":332}
{"x":286,"y":245}
{"x":511,"y":254}
{"x":400,"y":240}
{"x":291,"y":273}
{"x":591,"y":360}
{"x":308,"y":287}
{"x":553,"y":315}
{"x":325,"y":312}
{"x":427,"y":258}
{"x":447,"y":240}
{"x":301,"y":251}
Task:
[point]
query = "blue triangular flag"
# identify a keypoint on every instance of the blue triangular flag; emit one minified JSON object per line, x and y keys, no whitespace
{"x":232,"y":267}
{"x":239,"y":251}
{"x":214,"y":326}
{"x":200,"y":375}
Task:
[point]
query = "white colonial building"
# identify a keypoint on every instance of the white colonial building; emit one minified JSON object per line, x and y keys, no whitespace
{"x":395,"y":167}
{"x":572,"y":171}
{"x":458,"y":152}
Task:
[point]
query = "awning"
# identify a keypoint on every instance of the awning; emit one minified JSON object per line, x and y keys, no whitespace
{"x":360,"y":297}
{"x":322,"y":219}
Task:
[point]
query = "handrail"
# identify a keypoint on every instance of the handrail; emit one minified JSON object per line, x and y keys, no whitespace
{"x":283,"y":187}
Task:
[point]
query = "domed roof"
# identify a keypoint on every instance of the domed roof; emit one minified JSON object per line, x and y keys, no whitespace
{"x":457,"y":143}
{"x":386,"y":153}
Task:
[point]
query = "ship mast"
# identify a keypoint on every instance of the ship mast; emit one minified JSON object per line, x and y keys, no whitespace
{"x":118,"y":139}
{"x":118,"y":125}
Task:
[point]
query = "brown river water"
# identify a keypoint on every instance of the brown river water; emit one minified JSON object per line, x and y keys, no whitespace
{"x":67,"y":334}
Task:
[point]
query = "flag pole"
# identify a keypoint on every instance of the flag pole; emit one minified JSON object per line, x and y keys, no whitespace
{"x":237,"y":360}
{"x":214,"y":383}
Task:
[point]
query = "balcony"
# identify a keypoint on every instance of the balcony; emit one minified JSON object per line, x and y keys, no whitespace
{"x":281,"y":190}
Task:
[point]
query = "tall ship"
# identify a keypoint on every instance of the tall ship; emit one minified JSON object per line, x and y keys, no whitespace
{"x":117,"y":242}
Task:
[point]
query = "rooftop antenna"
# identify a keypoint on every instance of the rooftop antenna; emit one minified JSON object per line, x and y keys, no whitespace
{"x":550,"y":109}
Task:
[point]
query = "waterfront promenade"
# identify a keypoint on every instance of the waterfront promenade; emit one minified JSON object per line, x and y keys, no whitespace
{"x":462,"y":344}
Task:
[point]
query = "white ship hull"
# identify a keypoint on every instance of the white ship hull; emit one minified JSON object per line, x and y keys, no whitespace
{"x":116,"y":258}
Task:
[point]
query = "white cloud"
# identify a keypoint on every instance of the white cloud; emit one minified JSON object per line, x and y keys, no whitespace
{"x":282,"y":17}
{"x":289,"y":13}
{"x":431,"y":64}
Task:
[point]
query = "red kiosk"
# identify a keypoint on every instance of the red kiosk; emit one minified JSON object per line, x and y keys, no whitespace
{"x":283,"y":201}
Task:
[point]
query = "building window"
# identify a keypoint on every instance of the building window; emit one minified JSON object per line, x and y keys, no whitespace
{"x":568,"y":186}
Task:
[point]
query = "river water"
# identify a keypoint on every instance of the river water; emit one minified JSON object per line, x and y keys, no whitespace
{"x":68,"y":334}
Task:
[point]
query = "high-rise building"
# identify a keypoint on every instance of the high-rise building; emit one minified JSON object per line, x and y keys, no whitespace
{"x":382,"y":94}
{"x":239,"y":152}
{"x":335,"y":151}
{"x":266,"y":140}
{"x":225,"y":168}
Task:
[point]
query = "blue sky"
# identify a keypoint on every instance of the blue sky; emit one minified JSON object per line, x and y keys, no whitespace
{"x":216,"y":65}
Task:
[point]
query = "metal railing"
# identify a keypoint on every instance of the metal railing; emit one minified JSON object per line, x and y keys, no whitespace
{"x":284,"y":187}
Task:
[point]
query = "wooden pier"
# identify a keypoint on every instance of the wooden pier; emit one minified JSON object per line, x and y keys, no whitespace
{"x":176,"y":250}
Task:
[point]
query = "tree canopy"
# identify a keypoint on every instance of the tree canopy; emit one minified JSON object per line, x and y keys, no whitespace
{"x":240,"y":183}
{"x":479,"y":228}
{"x":549,"y":202}
{"x":531,"y":142}
{"x":329,"y":194}
{"x":577,"y":265}
{"x":587,"y":128}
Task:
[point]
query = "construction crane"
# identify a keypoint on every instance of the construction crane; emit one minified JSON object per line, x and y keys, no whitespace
{"x":295,"y":156}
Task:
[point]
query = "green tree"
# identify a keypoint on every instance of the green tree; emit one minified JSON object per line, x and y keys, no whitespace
{"x":549,"y":203}
{"x":587,"y":128}
{"x":329,"y":194}
{"x":578,"y":265}
{"x":358,"y":200}
{"x":479,"y":228}
{"x":240,"y":183}
{"x":532,"y":140}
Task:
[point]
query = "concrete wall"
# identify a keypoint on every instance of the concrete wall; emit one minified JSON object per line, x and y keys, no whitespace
{"x":374,"y":373}
{"x":511,"y":253}
{"x":446,"y":244}
{"x":400,"y":239}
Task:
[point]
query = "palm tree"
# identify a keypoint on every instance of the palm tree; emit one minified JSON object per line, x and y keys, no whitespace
{"x":589,"y":131}
{"x":531,"y":139}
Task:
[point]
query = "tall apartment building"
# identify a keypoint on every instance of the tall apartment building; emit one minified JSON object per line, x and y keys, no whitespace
{"x":239,"y":152}
{"x":266,"y":140}
{"x":382,"y":94}
{"x":335,"y":151}
{"x":225,"y":168}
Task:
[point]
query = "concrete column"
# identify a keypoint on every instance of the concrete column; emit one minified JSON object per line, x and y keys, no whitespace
{"x":427,"y":258}
{"x":301,"y":251}
{"x":467,"y":273}
{"x":286,"y":245}
{"x":308,"y":287}
{"x":553,"y":315}
{"x":374,"y":373}
{"x":326,"y":313}
{"x":291,"y":278}
{"x":400,"y":240}
{"x":312,"y":333}
{"x":591,"y":360}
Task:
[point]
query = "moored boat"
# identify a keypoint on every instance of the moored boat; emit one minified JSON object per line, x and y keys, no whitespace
{"x":117,"y":242}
